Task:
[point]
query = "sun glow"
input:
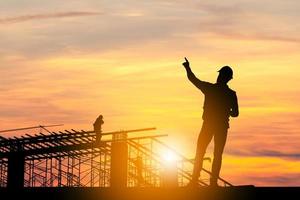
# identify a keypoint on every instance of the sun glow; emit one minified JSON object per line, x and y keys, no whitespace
{"x":169,"y":156}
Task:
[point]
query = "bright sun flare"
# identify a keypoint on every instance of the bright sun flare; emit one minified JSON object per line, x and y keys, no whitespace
{"x":169,"y":156}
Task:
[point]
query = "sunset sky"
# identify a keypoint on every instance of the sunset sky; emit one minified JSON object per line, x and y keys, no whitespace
{"x":69,"y":61}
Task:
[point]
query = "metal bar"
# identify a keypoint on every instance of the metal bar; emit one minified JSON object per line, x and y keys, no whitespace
{"x":31,"y":127}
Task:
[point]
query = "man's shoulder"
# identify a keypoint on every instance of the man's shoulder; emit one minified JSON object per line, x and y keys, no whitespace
{"x":207,"y":85}
{"x":231,"y":91}
{"x":227,"y":88}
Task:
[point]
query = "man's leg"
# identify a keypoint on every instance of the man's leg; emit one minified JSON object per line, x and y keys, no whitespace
{"x":219,"y":144}
{"x":204,"y":139}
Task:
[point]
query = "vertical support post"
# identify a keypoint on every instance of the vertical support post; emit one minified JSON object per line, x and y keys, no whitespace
{"x":72,"y":171}
{"x":29,"y":173}
{"x":99,"y":169}
{"x":79,"y":172}
{"x":46,"y":173}
{"x":119,"y":161}
{"x":16,"y":167}
{"x":59,"y":177}
{"x":51,"y":174}
{"x":92,"y":168}
{"x":170,"y":175}
{"x":32,"y":174}
{"x":105,"y":170}
{"x":1,"y":173}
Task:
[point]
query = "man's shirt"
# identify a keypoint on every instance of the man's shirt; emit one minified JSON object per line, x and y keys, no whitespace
{"x":220,"y":101}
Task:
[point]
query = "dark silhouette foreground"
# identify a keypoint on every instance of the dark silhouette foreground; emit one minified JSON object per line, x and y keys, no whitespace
{"x":220,"y":103}
{"x":149,"y":193}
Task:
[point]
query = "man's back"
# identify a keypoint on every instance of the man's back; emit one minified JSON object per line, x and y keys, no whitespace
{"x":219,"y":101}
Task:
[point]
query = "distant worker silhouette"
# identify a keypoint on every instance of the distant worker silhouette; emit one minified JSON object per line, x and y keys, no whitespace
{"x":98,"y":128}
{"x":219,"y":104}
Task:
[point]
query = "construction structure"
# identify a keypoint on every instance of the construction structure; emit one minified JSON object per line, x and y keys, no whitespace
{"x":73,"y":158}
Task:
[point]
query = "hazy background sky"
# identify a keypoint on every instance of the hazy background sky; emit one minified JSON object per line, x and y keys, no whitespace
{"x":69,"y":61}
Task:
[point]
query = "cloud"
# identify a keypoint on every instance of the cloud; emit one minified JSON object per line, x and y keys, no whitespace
{"x":248,"y":21}
{"x":272,"y":153}
{"x":255,"y":36}
{"x":159,"y":26}
{"x":265,"y":153}
{"x":24,"y":18}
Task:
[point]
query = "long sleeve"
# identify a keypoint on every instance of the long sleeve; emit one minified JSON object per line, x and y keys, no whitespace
{"x":234,"y":112}
{"x":202,"y":85}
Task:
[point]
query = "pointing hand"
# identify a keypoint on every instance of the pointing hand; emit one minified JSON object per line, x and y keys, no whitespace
{"x":186,"y":63}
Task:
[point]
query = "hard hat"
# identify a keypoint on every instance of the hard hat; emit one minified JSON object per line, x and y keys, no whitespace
{"x":226,"y":70}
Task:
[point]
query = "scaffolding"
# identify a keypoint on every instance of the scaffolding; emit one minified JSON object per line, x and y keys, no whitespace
{"x":73,"y":158}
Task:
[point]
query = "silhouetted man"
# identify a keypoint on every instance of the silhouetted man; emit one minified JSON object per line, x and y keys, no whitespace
{"x":220,"y":103}
{"x":98,"y":128}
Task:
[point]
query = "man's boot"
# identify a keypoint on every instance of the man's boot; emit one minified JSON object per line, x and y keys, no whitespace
{"x":213,"y":182}
{"x":193,"y":183}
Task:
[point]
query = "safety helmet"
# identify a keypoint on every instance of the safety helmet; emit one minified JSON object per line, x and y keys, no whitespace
{"x":226,"y":70}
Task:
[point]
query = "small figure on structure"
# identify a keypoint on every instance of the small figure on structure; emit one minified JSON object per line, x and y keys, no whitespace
{"x":220,"y":103}
{"x":98,"y":128}
{"x":139,"y":171}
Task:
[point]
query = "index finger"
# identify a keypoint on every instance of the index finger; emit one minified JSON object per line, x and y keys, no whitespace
{"x":186,"y":59}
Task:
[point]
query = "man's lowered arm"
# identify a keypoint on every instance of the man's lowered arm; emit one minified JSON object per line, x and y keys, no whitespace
{"x":234,"y":112}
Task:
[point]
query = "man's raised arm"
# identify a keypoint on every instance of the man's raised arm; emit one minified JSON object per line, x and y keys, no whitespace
{"x":191,"y":76}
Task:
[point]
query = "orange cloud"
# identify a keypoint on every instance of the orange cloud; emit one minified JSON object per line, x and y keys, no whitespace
{"x":24,"y":18}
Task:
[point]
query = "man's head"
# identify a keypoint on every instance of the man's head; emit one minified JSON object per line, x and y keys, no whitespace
{"x":225,"y":75}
